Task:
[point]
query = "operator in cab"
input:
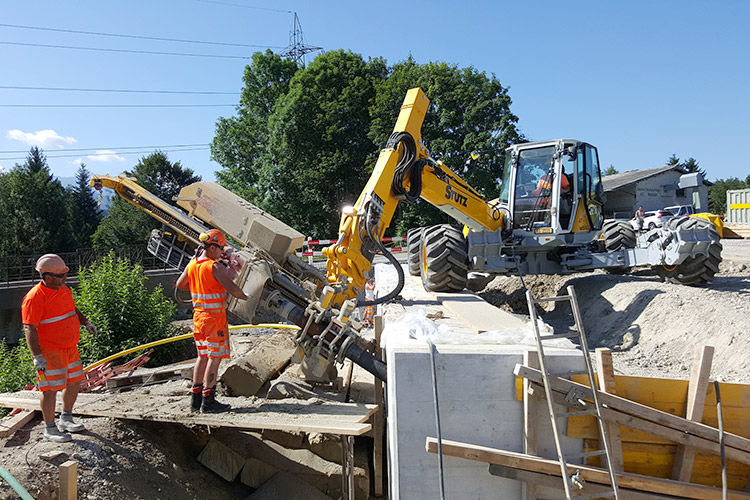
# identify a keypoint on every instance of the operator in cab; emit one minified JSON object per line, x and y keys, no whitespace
{"x":209,"y":283}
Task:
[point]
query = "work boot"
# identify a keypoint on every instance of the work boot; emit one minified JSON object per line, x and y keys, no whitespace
{"x":55,"y":435}
{"x":66,"y":423}
{"x":210,"y":405}
{"x":196,"y":397}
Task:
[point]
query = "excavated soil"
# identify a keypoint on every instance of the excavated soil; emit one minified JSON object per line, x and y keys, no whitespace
{"x":653,"y":328}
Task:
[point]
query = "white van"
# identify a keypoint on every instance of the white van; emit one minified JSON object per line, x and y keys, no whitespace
{"x":678,"y":210}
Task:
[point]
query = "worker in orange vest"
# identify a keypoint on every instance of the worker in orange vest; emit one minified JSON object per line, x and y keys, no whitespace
{"x":369,"y":296}
{"x":209,"y":282}
{"x":51,"y":324}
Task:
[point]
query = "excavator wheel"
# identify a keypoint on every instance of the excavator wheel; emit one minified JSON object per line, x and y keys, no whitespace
{"x":697,"y":270}
{"x":617,"y":235}
{"x":413,"y":242}
{"x":443,"y":259}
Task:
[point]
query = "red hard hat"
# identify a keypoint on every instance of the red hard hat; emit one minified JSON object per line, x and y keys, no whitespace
{"x":213,"y":236}
{"x":51,"y":263}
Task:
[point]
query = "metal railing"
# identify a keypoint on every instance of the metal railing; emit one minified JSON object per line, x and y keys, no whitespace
{"x":21,"y":268}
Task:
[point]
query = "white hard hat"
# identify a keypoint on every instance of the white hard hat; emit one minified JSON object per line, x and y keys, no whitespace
{"x":51,"y":263}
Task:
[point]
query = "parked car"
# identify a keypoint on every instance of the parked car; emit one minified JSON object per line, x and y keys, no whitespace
{"x":653,"y":219}
{"x":678,"y":210}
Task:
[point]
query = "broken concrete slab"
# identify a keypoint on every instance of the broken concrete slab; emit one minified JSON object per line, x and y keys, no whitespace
{"x":221,"y":459}
{"x":245,"y":375}
{"x":256,"y":472}
{"x":284,"y":486}
{"x":286,"y":386}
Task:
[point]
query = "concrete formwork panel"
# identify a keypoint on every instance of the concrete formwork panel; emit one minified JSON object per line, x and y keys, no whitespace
{"x":477,"y":397}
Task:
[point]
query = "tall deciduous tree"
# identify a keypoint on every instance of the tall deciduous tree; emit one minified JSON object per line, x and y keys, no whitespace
{"x":125,"y":224}
{"x":241,"y":141}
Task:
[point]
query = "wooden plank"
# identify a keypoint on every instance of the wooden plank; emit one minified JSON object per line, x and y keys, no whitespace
{"x":607,"y":384}
{"x":10,"y":424}
{"x":546,"y":480}
{"x":69,"y":480}
{"x":696,"y":398}
{"x":532,"y":404}
{"x":324,"y":417}
{"x":589,"y":474}
{"x":378,"y":420}
{"x":641,"y":411}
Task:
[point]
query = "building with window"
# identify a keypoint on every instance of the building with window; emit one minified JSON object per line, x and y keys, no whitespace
{"x":653,"y":189}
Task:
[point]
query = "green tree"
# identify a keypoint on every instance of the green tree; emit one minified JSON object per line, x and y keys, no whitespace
{"x":112,"y":293}
{"x":125,"y":224}
{"x":86,"y":214}
{"x":673,"y":161}
{"x":717,"y":194}
{"x":34,"y":209}
{"x":611,"y":170}
{"x":240,"y":141}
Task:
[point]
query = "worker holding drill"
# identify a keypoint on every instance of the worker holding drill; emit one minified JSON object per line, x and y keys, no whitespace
{"x":209,"y":282}
{"x":51,"y":324}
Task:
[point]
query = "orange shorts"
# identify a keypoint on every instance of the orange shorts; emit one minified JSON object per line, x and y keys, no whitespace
{"x":63,"y":368}
{"x":211,"y":332}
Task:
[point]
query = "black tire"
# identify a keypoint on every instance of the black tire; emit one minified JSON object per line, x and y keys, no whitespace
{"x":698,"y":270}
{"x":444,"y":259}
{"x":413,"y":242}
{"x":617,"y":235}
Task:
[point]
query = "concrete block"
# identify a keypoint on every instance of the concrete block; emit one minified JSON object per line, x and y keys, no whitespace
{"x":283,"y":486}
{"x":287,"y":386}
{"x":476,"y":391}
{"x":245,"y":375}
{"x":256,"y":472}
{"x":221,"y":459}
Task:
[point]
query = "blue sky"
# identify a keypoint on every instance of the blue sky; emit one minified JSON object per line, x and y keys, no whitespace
{"x":641,"y":80}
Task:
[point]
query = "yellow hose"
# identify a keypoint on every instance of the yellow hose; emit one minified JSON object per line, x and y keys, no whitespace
{"x":181,"y":337}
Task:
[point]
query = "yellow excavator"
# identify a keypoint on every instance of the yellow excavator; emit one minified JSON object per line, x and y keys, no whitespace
{"x":548,"y":219}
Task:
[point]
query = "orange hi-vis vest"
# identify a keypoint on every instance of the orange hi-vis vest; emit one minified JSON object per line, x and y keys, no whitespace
{"x":53,"y":312}
{"x":208,"y":294}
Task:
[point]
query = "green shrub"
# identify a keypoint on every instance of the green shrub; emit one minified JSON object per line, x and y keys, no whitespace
{"x":16,"y":369}
{"x":112,"y":294}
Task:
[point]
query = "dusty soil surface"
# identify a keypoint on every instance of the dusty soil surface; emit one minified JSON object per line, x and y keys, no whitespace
{"x":653,"y":328}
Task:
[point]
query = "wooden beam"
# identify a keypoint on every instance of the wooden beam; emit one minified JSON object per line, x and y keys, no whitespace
{"x":589,"y":474}
{"x":696,"y":399}
{"x":655,"y":429}
{"x":378,"y":424}
{"x":607,"y":384}
{"x":10,"y":424}
{"x":69,"y":480}
{"x":531,"y":406}
{"x":549,"y":481}
{"x":639,"y":410}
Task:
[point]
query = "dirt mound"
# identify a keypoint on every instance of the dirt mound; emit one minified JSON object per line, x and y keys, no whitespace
{"x":653,"y":328}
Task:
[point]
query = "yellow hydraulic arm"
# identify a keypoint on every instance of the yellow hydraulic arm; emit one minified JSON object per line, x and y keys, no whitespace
{"x":404,"y":171}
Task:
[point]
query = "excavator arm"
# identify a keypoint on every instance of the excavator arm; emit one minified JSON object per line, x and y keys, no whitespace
{"x":404,"y":172}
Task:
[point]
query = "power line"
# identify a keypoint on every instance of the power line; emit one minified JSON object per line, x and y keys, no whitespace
{"x":124,"y":50}
{"x":67,"y":89}
{"x":202,"y":144}
{"x":246,"y":6}
{"x":140,"y":37}
{"x":115,"y":105}
{"x":52,"y":156}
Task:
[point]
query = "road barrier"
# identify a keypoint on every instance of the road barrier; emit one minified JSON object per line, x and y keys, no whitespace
{"x":308,"y":252}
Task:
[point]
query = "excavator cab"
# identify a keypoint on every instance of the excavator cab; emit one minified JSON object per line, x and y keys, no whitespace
{"x":553,"y":187}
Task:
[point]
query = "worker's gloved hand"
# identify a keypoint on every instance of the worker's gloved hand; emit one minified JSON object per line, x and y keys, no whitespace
{"x":40,"y":364}
{"x":91,"y":328}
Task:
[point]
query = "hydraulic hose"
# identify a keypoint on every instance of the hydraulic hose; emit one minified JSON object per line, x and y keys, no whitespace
{"x":399,"y":270}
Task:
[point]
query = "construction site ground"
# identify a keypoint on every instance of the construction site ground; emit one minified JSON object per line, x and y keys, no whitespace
{"x":652,"y":328}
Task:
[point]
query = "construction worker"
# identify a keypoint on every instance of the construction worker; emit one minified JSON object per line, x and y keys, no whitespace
{"x":51,"y":324}
{"x":367,"y":319}
{"x":208,"y":281}
{"x":639,"y":216}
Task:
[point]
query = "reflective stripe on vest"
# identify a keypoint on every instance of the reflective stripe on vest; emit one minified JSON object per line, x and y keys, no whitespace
{"x":57,"y":318}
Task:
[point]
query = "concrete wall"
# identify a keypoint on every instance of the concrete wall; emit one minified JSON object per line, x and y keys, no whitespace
{"x":476,"y":391}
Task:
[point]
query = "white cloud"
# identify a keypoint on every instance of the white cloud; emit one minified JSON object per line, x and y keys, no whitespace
{"x":1,"y":169}
{"x":105,"y":156}
{"x":45,"y":139}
